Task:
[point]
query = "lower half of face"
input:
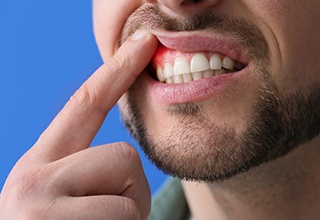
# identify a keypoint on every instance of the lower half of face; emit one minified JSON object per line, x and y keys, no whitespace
{"x":244,"y":123}
{"x":213,"y":125}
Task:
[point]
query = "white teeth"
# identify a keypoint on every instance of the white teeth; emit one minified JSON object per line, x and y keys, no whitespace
{"x":181,"y":66}
{"x":169,"y":80}
{"x":208,"y":73}
{"x":168,"y":70}
{"x":177,"y":79}
{"x":219,"y":72}
{"x":187,"y":77}
{"x":197,"y":76}
{"x":200,"y":67}
{"x":215,"y":62}
{"x":228,"y":63}
{"x":198,"y":63}
{"x":160,"y":74}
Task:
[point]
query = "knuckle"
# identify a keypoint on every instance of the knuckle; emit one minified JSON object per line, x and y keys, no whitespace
{"x":84,"y":97}
{"x":129,"y":153}
{"x":29,"y":184}
{"x":115,"y":64}
{"x":119,"y":61}
{"x":32,"y":194}
{"x":24,"y":185}
{"x":25,"y":188}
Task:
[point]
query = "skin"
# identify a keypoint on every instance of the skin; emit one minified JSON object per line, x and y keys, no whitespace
{"x":49,"y":182}
{"x":263,"y":192}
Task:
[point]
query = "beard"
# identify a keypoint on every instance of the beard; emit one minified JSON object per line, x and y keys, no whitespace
{"x":199,"y":149}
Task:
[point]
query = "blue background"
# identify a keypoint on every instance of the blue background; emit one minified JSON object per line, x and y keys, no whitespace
{"x":47,"y":50}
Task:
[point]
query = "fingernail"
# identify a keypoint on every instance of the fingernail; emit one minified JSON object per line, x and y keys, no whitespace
{"x":140,"y":34}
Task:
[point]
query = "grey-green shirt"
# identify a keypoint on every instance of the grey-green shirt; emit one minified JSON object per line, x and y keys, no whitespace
{"x":169,"y":203}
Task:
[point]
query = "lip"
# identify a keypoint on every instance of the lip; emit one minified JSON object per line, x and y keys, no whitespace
{"x":203,"y":41}
{"x":203,"y":89}
{"x":195,"y":91}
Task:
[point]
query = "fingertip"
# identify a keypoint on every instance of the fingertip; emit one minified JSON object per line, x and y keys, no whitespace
{"x":144,"y":37}
{"x":140,"y":35}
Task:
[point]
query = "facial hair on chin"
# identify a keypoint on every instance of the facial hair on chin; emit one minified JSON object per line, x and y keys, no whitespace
{"x":202,"y":151}
{"x":205,"y":152}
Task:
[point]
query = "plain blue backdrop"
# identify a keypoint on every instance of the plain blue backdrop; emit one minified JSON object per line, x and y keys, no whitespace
{"x":47,"y":50}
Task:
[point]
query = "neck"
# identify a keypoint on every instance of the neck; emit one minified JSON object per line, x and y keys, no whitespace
{"x":287,"y":188}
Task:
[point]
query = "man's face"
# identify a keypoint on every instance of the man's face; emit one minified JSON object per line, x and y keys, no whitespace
{"x":233,"y":84}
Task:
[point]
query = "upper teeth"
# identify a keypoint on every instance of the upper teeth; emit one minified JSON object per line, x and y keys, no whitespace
{"x":199,"y":67}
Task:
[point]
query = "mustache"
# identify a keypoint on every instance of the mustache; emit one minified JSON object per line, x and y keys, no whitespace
{"x":153,"y":18}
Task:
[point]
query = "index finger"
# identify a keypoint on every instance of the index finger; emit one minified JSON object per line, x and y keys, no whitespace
{"x":78,"y":122}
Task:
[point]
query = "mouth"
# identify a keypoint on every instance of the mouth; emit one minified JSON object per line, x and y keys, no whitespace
{"x":196,"y":67}
{"x":173,"y":67}
{"x":185,"y":59}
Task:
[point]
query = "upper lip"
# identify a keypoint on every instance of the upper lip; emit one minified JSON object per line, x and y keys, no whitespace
{"x":204,"y":42}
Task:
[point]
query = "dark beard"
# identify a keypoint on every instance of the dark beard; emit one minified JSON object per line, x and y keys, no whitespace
{"x":280,"y":125}
{"x":200,"y":150}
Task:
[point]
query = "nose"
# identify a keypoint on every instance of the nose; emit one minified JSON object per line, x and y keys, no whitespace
{"x":185,"y":6}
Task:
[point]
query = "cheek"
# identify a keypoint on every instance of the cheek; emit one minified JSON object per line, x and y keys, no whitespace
{"x":301,"y":50}
{"x":109,"y":17}
{"x":293,"y":37}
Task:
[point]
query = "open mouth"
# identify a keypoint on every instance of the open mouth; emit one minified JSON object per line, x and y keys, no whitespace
{"x":173,"y":67}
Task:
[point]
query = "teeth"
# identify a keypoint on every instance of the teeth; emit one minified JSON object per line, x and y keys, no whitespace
{"x":197,"y":76}
{"x":169,"y":80}
{"x":177,"y":79}
{"x":200,"y":67}
{"x":219,"y":72}
{"x":187,"y":77}
{"x":199,"y":62}
{"x":228,"y":63}
{"x":160,"y":74}
{"x":168,"y":70}
{"x":208,"y":73}
{"x":215,"y":62}
{"x":181,"y":66}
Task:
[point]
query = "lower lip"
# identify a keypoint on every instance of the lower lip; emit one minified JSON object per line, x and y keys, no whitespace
{"x":195,"y":91}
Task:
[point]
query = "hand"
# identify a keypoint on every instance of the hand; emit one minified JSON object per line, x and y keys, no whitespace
{"x":61,"y":178}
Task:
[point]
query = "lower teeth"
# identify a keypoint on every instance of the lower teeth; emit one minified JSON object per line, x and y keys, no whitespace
{"x":189,"y":77}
